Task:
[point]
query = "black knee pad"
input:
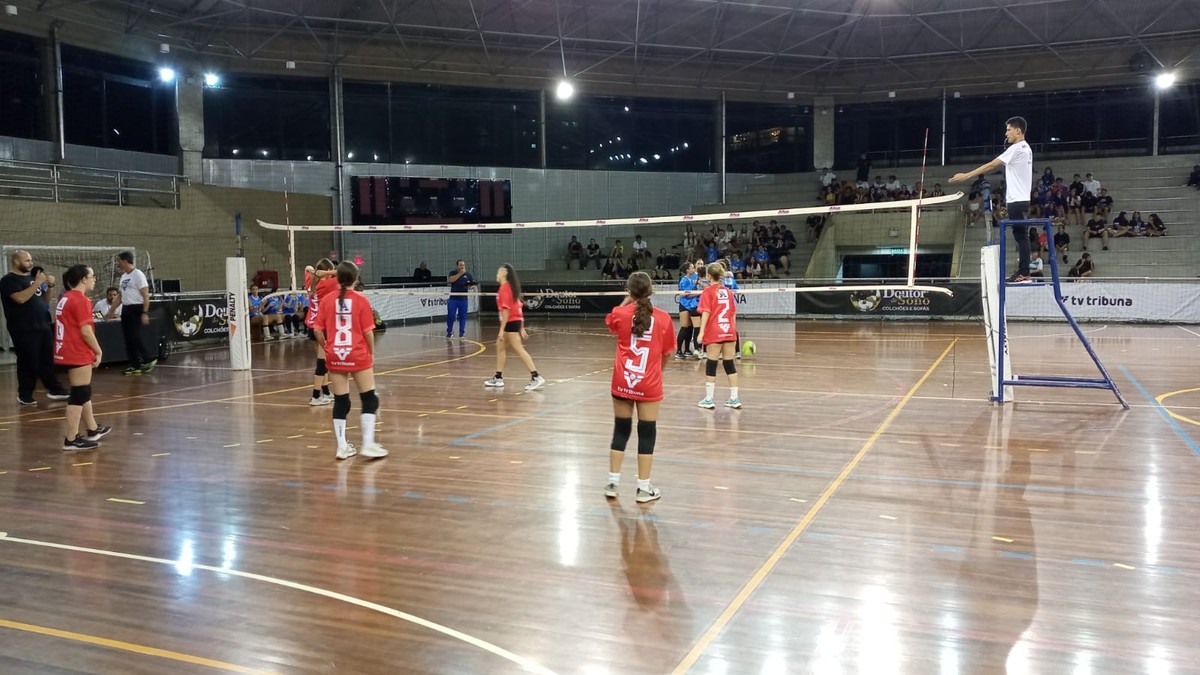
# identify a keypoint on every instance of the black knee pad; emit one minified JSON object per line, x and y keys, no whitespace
{"x":321,"y":368}
{"x":710,"y":368}
{"x":730,"y":367}
{"x":647,"y":435}
{"x":622,"y":430}
{"x":341,"y":406}
{"x":370,"y":402}
{"x":80,"y":395}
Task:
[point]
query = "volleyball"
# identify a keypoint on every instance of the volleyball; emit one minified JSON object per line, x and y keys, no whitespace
{"x":748,"y":348}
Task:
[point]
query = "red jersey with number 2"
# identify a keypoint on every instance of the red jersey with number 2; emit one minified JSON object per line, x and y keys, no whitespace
{"x":718,"y":301}
{"x":637,"y":374}
{"x":345,"y":324}
{"x":73,"y":312}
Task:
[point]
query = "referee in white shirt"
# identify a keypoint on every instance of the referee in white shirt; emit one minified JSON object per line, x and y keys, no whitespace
{"x":135,"y":313}
{"x":1018,"y":175}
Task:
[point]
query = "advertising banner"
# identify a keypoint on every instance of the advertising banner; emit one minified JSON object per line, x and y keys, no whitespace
{"x":1108,"y":301}
{"x":560,"y":299}
{"x":666,"y":296}
{"x":396,"y":307}
{"x":894,"y":304}
{"x":198,"y":317}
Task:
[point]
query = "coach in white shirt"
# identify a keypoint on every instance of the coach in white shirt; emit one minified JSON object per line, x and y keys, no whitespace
{"x":1018,"y":174}
{"x":135,"y":313}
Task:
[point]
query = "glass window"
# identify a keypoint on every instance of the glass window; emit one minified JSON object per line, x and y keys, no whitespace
{"x":468,"y":127}
{"x":267,"y":118}
{"x":765,"y":138}
{"x":1179,"y":119}
{"x":21,"y":87}
{"x":635,"y":134}
{"x":113,"y":102}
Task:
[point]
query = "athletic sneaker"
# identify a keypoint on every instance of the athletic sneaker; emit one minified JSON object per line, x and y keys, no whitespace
{"x":58,"y":396}
{"x":150,"y":366}
{"x":449,"y":336}
{"x":132,"y":371}
{"x":610,"y":490}
{"x":373,"y":451}
{"x":706,"y":403}
{"x":733,"y":403}
{"x":680,"y":356}
{"x":346,"y":452}
{"x":79,"y":443}
{"x":24,"y":401}
{"x":536,"y":383}
{"x":650,"y":495}
{"x":327,"y":398}
{"x":98,"y":433}
{"x":494,"y":382}
{"x":320,"y":400}
{"x":700,"y":354}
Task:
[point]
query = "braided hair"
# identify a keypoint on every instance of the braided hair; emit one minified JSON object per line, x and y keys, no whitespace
{"x":640,"y":289}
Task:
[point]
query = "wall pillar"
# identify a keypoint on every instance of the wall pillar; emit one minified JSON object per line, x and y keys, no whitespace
{"x":823,"y":131}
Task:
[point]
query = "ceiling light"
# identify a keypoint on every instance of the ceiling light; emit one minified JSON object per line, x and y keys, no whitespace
{"x":290,"y":65}
{"x":1164,"y":80}
{"x":164,"y":48}
{"x":643,"y":160}
{"x":212,"y":80}
{"x":350,"y":155}
{"x":565,"y":90}
{"x":166,"y":74}
{"x":656,"y":156}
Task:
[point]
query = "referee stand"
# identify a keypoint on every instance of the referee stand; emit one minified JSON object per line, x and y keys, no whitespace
{"x":995,"y":296}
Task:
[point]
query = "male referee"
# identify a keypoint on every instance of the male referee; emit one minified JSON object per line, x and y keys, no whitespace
{"x":1018,"y":176}
{"x":460,"y":281}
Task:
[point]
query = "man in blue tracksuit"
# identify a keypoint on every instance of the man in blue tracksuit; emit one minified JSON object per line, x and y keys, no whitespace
{"x":460,"y":282}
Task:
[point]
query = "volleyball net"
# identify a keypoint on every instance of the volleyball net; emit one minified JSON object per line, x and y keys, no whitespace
{"x":659,"y":245}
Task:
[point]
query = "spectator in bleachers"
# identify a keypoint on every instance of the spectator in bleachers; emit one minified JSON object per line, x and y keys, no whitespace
{"x":593,"y":253}
{"x":754,"y":269}
{"x":812,"y":228}
{"x":1137,"y":224}
{"x":689,"y":238}
{"x":614,"y":268}
{"x":422,"y":273}
{"x":778,"y":253}
{"x":737,"y":265}
{"x":1089,"y":202}
{"x":763,"y":258}
{"x":863,"y":170}
{"x":1194,"y":178}
{"x":847,"y":194}
{"x":574,"y":252}
{"x":1047,"y":177}
{"x":1062,"y":240}
{"x":641,"y":249}
{"x":1091,"y":185}
{"x":1156,"y":227}
{"x":618,"y":251}
{"x":938,"y":191}
{"x":1075,"y":208}
{"x":1104,"y":203}
{"x":1035,"y":264}
{"x":892,"y":187}
{"x":1096,"y":228}
{"x":1059,"y":195}
{"x":1076,"y":186}
{"x":827,"y":177}
{"x":974,"y":212}
{"x":711,"y":252}
{"x":1083,"y":268}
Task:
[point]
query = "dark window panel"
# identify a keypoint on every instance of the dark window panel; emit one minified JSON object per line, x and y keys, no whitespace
{"x":23,"y":113}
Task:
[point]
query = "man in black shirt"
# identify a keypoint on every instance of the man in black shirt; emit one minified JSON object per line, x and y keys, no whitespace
{"x":422,"y":273}
{"x":574,"y":252}
{"x":28,"y":317}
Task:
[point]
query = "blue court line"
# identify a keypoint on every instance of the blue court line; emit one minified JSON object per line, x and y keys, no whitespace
{"x":512,"y":423}
{"x":1163,"y":411}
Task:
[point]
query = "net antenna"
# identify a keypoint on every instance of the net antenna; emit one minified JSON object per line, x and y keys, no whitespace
{"x":915,"y":230}
{"x":911,"y":205}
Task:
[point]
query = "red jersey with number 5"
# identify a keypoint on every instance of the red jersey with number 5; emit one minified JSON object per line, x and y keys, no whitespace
{"x":73,"y":312}
{"x":718,"y":301}
{"x":345,"y":324}
{"x":637,"y":374}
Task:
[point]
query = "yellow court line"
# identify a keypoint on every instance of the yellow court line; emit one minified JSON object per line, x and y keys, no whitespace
{"x":1176,"y":415}
{"x":128,"y":647}
{"x":761,"y":574}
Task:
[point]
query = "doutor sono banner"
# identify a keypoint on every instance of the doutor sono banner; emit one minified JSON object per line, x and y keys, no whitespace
{"x":894,"y":304}
{"x":1108,"y":301}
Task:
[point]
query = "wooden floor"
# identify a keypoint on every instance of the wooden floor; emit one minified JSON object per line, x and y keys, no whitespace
{"x":868,"y":511}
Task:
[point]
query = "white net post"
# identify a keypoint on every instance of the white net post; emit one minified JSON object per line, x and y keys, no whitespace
{"x":239,"y":313}
{"x":995,"y":324}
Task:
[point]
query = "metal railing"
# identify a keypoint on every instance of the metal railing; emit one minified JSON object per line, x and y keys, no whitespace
{"x":60,"y":183}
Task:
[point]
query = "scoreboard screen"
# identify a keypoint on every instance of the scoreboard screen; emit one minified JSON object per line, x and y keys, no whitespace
{"x":376,"y":200}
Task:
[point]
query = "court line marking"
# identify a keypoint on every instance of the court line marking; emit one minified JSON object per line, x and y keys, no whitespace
{"x":1172,"y":413}
{"x":761,"y":574}
{"x":1192,"y":332}
{"x":527,"y":664}
{"x":129,"y":647}
{"x":1166,"y":414}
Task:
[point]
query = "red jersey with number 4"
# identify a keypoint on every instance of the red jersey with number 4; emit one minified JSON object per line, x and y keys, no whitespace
{"x":345,"y":324}
{"x":718,"y":301}
{"x":324,"y":287}
{"x":637,"y":374}
{"x":73,"y":312}
{"x":505,"y":300}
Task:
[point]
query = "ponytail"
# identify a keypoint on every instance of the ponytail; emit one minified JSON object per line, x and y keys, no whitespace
{"x":347,"y":275}
{"x":642,"y":317}
{"x":640,"y":289}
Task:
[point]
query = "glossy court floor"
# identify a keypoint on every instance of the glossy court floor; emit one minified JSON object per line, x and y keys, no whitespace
{"x":867,"y":512}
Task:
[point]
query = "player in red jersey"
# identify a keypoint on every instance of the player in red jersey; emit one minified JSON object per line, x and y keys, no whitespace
{"x":320,"y":282}
{"x":718,"y":327}
{"x":345,"y":329}
{"x":512,"y":329}
{"x":76,"y":349}
{"x":645,"y":340}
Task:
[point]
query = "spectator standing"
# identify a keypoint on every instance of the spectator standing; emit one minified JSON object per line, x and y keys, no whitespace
{"x":1194,"y":177}
{"x":27,"y":317}
{"x":574,"y":252}
{"x":863,"y":170}
{"x":135,"y":313}
{"x":461,"y":282}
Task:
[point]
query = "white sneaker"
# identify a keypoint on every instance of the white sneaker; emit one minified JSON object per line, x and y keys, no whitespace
{"x":373,"y":451}
{"x":650,"y":495}
{"x":494,"y":382}
{"x":320,"y":400}
{"x":346,"y":451}
{"x":327,"y":398}
{"x":536,"y":383}
{"x":706,"y":403}
{"x":702,"y":354}
{"x":733,"y":403}
{"x":610,"y":490}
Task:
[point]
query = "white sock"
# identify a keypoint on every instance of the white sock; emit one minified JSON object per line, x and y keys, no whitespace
{"x":644,"y":484}
{"x":614,"y":478}
{"x":339,"y":432}
{"x":733,"y":392}
{"x":710,"y":388}
{"x":368,"y":429}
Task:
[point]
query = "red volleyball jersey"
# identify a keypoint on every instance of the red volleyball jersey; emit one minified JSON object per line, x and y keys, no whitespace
{"x":637,"y":374}
{"x":505,"y":300}
{"x":74,"y":311}
{"x":718,"y":301}
{"x":324,"y":287}
{"x":345,"y":324}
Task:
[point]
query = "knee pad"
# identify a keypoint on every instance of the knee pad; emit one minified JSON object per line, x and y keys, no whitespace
{"x":710,"y":368}
{"x":341,"y":406}
{"x":322,"y":369}
{"x":622,"y":429}
{"x":370,"y":402}
{"x":730,"y":367}
{"x":80,"y":395}
{"x":647,"y":435}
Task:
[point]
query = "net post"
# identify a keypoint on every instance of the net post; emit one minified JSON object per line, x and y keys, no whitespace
{"x":238,"y":313}
{"x":912,"y":244}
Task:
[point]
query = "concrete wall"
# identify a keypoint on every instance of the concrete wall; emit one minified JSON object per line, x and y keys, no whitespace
{"x":82,"y":155}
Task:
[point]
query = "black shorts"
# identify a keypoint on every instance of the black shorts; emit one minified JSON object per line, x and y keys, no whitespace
{"x":690,"y":311}
{"x":513,"y":327}
{"x":310,"y":333}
